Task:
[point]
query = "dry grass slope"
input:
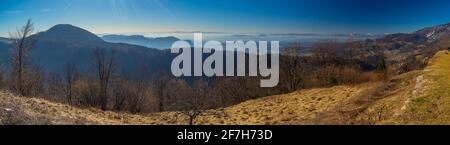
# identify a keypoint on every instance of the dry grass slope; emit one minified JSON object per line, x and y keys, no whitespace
{"x":300,"y":107}
{"x":22,"y":110}
{"x":432,"y":105}
{"x":293,"y":108}
{"x":418,"y":97}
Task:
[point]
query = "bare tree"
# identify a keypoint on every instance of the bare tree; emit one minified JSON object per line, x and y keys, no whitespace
{"x":19,"y":60}
{"x":161,"y":89}
{"x":87,"y":91}
{"x":105,"y":65}
{"x":34,"y":81}
{"x":194,"y":106}
{"x":70,"y":76}
{"x":137,"y":96}
{"x":140,"y":89}
{"x":53,"y":86}
{"x":120,"y":92}
{"x":131,"y":94}
{"x":292,"y":67}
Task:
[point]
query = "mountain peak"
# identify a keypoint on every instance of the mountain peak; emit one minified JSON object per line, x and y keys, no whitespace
{"x":63,"y":26}
{"x":67,"y":32}
{"x":435,"y":33}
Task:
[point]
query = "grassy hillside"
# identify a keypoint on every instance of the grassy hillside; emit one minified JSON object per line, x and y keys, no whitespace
{"x":294,"y":108}
{"x":21,"y":110}
{"x":418,"y":97}
{"x":432,"y":105}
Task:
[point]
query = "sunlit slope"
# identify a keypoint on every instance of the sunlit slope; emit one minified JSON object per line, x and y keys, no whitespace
{"x":432,"y":105}
{"x":293,"y":108}
{"x":300,"y":107}
{"x":418,"y":97}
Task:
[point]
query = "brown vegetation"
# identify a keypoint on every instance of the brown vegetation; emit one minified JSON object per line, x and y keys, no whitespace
{"x":328,"y":64}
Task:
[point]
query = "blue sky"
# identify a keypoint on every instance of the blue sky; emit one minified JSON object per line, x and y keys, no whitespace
{"x":237,"y":16}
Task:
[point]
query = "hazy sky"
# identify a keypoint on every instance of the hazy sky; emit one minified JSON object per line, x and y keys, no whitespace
{"x":239,"y":16}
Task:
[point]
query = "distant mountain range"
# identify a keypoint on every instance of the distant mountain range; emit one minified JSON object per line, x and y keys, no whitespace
{"x":159,"y":42}
{"x":436,"y":36}
{"x":4,"y":40}
{"x":65,"y":43}
{"x":4,"y":44}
